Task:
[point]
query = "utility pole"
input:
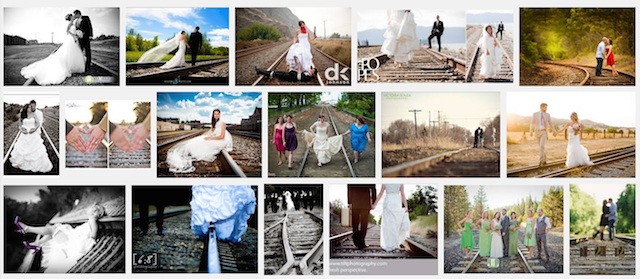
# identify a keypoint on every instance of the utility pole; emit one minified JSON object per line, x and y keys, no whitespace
{"x":415,"y":118}
{"x":52,"y":37}
{"x":324,"y":27}
{"x":429,"y":123}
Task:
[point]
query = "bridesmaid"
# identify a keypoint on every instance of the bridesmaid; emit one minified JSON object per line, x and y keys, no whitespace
{"x":514,"y":225}
{"x":290,"y":138}
{"x":278,"y":138}
{"x":467,"y":243}
{"x":529,"y":235}
{"x":359,"y":137}
{"x":484,"y":224}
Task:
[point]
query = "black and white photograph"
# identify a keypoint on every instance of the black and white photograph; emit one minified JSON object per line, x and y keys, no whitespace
{"x":209,"y":134}
{"x":195,"y":229}
{"x":293,"y":234}
{"x":64,"y":229}
{"x":67,"y":46}
{"x":31,"y":134}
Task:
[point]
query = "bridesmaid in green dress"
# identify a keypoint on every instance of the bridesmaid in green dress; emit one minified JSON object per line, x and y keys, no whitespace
{"x":484,"y":225}
{"x":467,"y":243}
{"x":514,"y":231}
{"x":529,"y":235}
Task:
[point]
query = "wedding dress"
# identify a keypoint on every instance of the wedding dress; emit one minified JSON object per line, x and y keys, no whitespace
{"x":324,"y":147}
{"x":29,"y":152}
{"x":577,"y":155}
{"x":491,"y":62}
{"x":395,"y":221}
{"x":289,"y":201}
{"x":400,"y":38}
{"x":160,"y":51}
{"x":181,"y":156}
{"x":300,"y":51}
{"x":228,"y":207}
{"x":496,"y":241}
{"x":66,"y":247}
{"x":65,"y":61}
{"x":178,"y":59}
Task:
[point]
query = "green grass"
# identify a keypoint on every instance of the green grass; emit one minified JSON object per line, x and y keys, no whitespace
{"x":426,"y":221}
{"x":133,"y":56}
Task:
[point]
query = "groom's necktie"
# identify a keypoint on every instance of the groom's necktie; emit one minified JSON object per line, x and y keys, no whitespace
{"x":542,"y":124}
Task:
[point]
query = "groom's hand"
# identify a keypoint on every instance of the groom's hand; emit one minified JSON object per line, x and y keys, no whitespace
{"x":140,"y":135}
{"x":74,"y":138}
{"x":119,"y":138}
{"x":95,"y":137}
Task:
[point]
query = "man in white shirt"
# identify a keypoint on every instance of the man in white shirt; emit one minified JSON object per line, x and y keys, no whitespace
{"x":540,"y":123}
{"x":600,"y":51}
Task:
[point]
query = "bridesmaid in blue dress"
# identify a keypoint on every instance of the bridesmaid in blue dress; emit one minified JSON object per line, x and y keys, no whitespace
{"x":360,"y":136}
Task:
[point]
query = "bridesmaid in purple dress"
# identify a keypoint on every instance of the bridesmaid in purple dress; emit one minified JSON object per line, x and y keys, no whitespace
{"x":290,"y":138}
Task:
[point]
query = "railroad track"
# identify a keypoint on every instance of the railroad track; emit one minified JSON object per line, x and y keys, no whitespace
{"x":452,"y":163}
{"x":504,"y":74}
{"x":246,"y":52}
{"x":517,"y":264}
{"x":609,"y":263}
{"x":224,"y":165}
{"x":294,"y":245}
{"x":305,"y":158}
{"x":427,"y":65}
{"x":590,"y":79}
{"x":342,"y":247}
{"x":97,"y":158}
{"x":136,"y":159}
{"x":52,"y":151}
{"x":619,"y":158}
{"x":150,"y":73}
{"x":321,"y":60}
{"x":251,"y":135}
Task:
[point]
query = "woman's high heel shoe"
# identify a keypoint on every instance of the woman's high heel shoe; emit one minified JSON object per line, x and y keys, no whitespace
{"x":30,"y":246}
{"x":16,"y":222}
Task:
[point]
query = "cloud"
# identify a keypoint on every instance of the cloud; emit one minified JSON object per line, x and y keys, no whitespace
{"x":218,"y":41}
{"x":185,"y":104}
{"x":208,"y":102}
{"x":169,"y":18}
{"x":224,"y":32}
{"x":236,"y":94}
{"x":203,"y":94}
{"x":149,"y":32}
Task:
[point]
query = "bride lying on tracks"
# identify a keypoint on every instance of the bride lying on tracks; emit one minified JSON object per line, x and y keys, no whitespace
{"x":157,"y":53}
{"x":201,"y":148}
{"x":29,"y":152}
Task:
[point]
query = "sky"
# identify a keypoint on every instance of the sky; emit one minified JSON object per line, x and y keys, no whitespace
{"x":330,"y":97}
{"x":38,"y":23}
{"x":603,"y":191}
{"x":234,"y":106}
{"x":78,"y":111}
{"x":122,"y":110}
{"x":506,"y":195}
{"x":165,"y":22}
{"x":466,"y":110}
{"x":337,"y":20}
{"x":612,"y":108}
{"x":41,"y":99}
{"x":506,"y":16}
{"x":339,"y":191}
{"x":24,"y":193}
{"x":377,"y":19}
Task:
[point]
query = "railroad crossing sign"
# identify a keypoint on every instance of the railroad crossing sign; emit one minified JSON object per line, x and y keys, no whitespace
{"x":493,"y":263}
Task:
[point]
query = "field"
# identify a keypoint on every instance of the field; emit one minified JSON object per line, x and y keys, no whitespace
{"x":523,"y":152}
{"x":338,"y":49}
{"x":133,"y":56}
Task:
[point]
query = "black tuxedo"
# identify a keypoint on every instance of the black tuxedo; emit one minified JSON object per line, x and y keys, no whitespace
{"x":290,"y":76}
{"x":500,"y":30}
{"x":436,"y":31}
{"x":360,"y":197}
{"x":85,"y":41}
{"x":195,"y":42}
{"x":476,"y":137}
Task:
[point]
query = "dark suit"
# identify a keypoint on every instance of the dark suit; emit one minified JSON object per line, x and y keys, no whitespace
{"x":436,"y":31}
{"x":475,"y":138}
{"x":360,"y":197}
{"x":85,"y":41}
{"x":505,"y":237}
{"x":290,"y":76}
{"x":160,"y":197}
{"x":500,"y":30}
{"x":195,"y":42}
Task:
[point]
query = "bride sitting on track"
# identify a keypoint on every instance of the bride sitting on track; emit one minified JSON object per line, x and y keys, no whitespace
{"x":201,"y":148}
{"x":29,"y":152}
{"x":323,"y":145}
{"x":157,"y":53}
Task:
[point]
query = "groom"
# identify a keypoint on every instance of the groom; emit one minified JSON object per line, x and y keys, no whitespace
{"x":540,"y":123}
{"x":505,"y":233}
{"x":38,"y":114}
{"x":600,"y":51}
{"x":87,"y":36}
{"x":195,"y":42}
{"x":360,"y":198}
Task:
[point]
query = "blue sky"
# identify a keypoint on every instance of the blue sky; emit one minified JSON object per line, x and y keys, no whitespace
{"x":199,"y":105}
{"x":165,"y":22}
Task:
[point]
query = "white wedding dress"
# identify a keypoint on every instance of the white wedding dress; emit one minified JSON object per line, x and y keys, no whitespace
{"x":577,"y":155}
{"x":289,"y":201}
{"x":400,"y":38}
{"x":496,"y":242}
{"x":60,"y":65}
{"x":66,"y":247}
{"x":300,"y":51}
{"x":29,"y":152}
{"x":178,"y":59}
{"x":324,"y":147}
{"x":181,"y":156}
{"x":395,"y":221}
{"x":491,"y":62}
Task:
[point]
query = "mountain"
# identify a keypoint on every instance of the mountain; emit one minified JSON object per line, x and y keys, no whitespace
{"x":489,"y":18}
{"x":452,"y":35}
{"x":281,"y":18}
{"x":518,"y":122}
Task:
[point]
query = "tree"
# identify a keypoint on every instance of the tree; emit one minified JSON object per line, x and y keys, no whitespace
{"x":553,"y":205}
{"x":583,"y":212}
{"x":479,"y":203}
{"x":626,"y":210}
{"x":456,"y":204}
{"x":141,"y":110}
{"x":258,"y":31}
{"x":335,"y":36}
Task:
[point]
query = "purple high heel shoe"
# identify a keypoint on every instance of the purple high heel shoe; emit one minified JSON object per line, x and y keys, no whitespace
{"x":30,"y":246}
{"x":16,"y":222}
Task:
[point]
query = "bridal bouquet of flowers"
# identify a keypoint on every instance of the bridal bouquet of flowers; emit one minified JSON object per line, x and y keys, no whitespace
{"x":497,"y":227}
{"x":576,"y":128}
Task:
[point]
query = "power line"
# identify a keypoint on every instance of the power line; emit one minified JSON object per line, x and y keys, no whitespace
{"x":415,"y":118}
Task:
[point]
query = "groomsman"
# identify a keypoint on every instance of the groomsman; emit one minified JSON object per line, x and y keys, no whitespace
{"x":542,"y":228}
{"x":505,"y":222}
{"x":360,"y":198}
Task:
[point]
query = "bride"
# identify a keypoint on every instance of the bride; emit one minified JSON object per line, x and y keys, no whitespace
{"x":65,"y":61}
{"x":201,"y":148}
{"x":299,"y":57}
{"x":395,"y":219}
{"x":157,"y":53}
{"x":400,"y":38}
{"x":29,"y":152}
{"x":491,"y":53}
{"x":323,"y":145}
{"x":577,"y":155}
{"x":496,"y":237}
